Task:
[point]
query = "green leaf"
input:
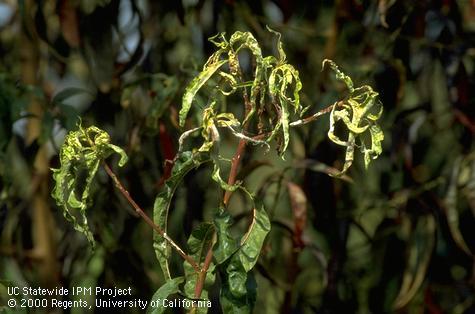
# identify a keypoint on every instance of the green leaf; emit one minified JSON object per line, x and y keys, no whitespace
{"x":216,"y":176}
{"x":210,"y":134}
{"x":421,"y":247}
{"x":238,"y":291}
{"x":184,"y":162}
{"x":252,"y":241}
{"x":226,"y":245}
{"x":169,"y":288}
{"x":237,"y":42}
{"x":199,"y":242}
{"x":209,"y":131}
{"x":231,"y":81}
{"x":239,"y":305}
{"x":80,"y":156}
{"x":245,"y":40}
{"x":284,"y":121}
{"x":247,"y":251}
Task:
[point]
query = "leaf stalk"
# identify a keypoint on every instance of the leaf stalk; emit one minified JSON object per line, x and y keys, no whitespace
{"x":147,"y":219}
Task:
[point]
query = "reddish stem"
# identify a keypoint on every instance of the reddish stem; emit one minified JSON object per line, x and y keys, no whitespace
{"x":231,"y":180}
{"x":202,"y":275}
{"x":149,"y":221}
{"x":234,"y":169}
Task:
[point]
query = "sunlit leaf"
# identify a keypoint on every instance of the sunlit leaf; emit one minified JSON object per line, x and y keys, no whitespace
{"x":80,"y":157}
{"x":377,"y":136}
{"x":282,"y":78}
{"x":356,"y":113}
{"x":209,"y":69}
{"x":273,"y":78}
{"x":210,"y":122}
{"x":339,"y":74}
{"x":247,"y":40}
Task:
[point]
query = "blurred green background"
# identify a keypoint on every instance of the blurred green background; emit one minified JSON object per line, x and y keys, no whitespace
{"x":397,"y":238}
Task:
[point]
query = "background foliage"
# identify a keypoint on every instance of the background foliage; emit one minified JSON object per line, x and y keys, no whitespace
{"x":395,"y":238}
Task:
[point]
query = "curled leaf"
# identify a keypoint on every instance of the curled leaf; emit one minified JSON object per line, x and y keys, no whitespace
{"x":356,"y":113}
{"x":284,"y":77}
{"x":209,"y":125}
{"x":339,"y":74}
{"x":217,"y":177}
{"x":209,"y":131}
{"x":80,"y":156}
{"x":209,"y":69}
{"x":247,"y":40}
{"x":280,"y":48}
{"x":231,"y":80}
{"x":281,"y":79}
{"x":273,"y":79}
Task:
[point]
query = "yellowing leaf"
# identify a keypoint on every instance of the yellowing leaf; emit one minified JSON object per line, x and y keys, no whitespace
{"x":195,"y":85}
{"x":356,"y":114}
{"x":80,"y":156}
